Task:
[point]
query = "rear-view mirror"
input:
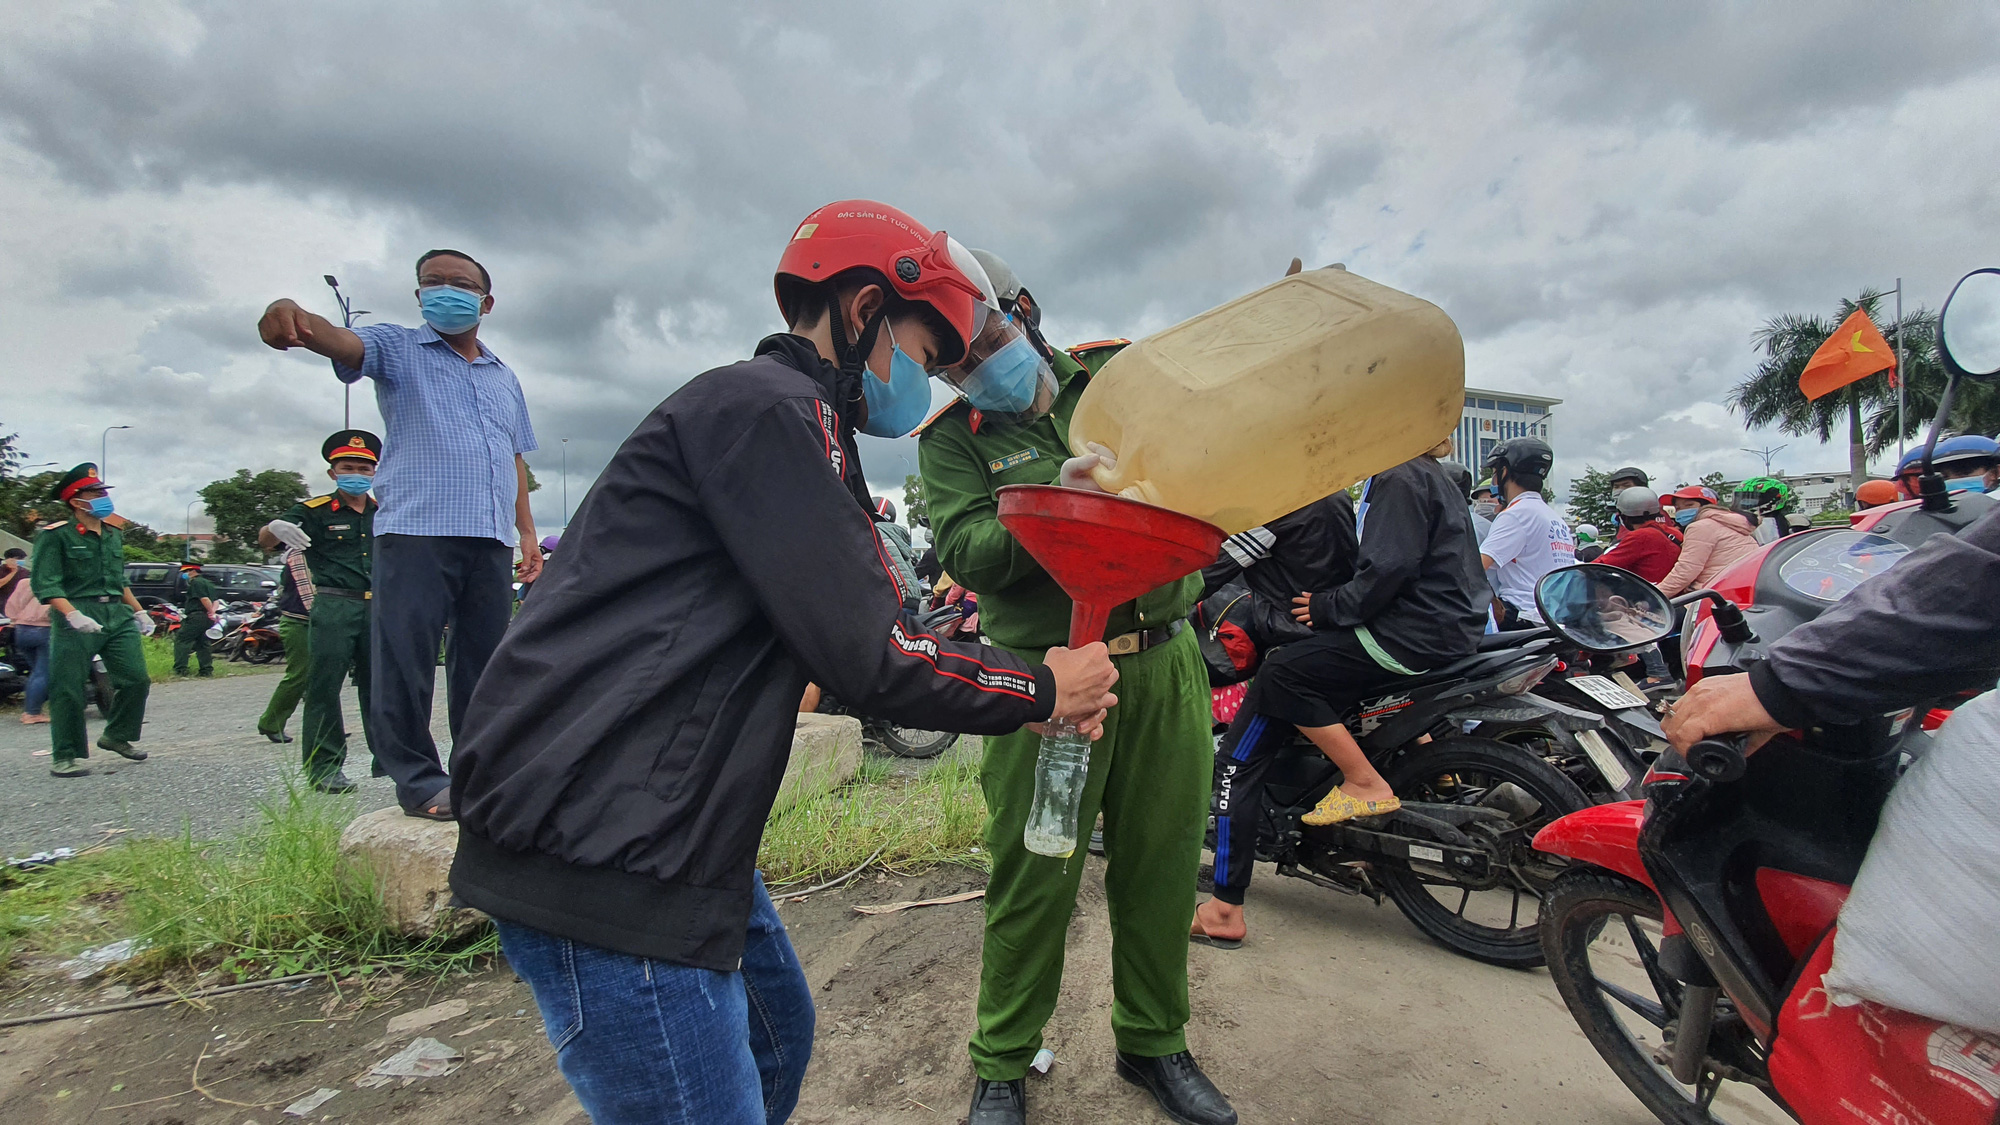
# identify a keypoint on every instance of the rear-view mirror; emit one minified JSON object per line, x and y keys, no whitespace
{"x":1603,"y":608}
{"x":1969,"y":326}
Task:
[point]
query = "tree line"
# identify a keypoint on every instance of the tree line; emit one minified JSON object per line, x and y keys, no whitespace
{"x":238,"y":504}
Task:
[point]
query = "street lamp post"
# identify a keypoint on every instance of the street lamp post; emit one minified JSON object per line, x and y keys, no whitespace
{"x":565,"y":475}
{"x":104,"y":451}
{"x":187,"y":530}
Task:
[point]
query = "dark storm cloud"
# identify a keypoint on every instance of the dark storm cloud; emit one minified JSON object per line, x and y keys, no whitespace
{"x":134,"y":270}
{"x":1606,"y":203}
{"x":1752,"y":68}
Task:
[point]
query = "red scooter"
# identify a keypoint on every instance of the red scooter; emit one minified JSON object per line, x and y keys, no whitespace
{"x":1690,"y":936}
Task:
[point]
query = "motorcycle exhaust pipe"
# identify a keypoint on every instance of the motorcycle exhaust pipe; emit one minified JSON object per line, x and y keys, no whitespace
{"x":1512,"y":800}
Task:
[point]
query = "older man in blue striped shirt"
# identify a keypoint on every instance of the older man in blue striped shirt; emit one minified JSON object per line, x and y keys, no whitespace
{"x":454,"y":494}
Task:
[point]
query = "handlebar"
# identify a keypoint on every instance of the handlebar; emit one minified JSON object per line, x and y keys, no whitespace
{"x":1719,"y":759}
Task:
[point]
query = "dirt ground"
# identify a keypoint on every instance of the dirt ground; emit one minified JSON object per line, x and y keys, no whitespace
{"x":1335,"y":1010}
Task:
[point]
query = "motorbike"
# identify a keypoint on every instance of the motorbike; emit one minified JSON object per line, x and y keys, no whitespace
{"x":13,"y":668}
{"x":1692,"y":931}
{"x":1457,"y":858}
{"x":946,"y":620}
{"x":166,"y":618}
{"x":250,"y":633}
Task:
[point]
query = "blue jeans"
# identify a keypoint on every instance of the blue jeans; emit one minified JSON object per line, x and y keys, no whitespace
{"x":645,"y":1042}
{"x":33,"y":643}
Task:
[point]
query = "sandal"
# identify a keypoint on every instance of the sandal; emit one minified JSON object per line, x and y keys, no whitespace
{"x":437,"y":808}
{"x":1199,"y":935}
{"x":1338,"y":806}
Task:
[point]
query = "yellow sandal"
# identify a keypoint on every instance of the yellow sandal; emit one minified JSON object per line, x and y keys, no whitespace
{"x":1338,"y":806}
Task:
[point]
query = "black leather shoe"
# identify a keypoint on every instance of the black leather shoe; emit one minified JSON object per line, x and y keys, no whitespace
{"x":334,"y":783}
{"x":998,"y":1103}
{"x":276,"y":735}
{"x":122,"y":749}
{"x":1185,"y":1093}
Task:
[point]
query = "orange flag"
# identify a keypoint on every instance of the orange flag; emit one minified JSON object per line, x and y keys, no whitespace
{"x":1855,"y":351}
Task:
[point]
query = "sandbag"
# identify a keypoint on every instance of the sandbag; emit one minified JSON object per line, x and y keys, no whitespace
{"x":1919,"y":931}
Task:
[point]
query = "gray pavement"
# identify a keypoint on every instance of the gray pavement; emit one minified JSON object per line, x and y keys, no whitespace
{"x":207,"y":771}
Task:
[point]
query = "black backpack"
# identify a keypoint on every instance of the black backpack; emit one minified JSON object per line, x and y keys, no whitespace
{"x":1221,"y":621}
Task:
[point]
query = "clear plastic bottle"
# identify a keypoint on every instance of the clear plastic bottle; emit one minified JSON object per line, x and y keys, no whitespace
{"x":1261,"y":406}
{"x":1061,"y":769}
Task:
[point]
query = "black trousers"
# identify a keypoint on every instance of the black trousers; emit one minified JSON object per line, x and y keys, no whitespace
{"x":1315,"y":682}
{"x":422,"y":584}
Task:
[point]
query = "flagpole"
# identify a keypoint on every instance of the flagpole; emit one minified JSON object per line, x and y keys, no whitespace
{"x":1902,"y":373}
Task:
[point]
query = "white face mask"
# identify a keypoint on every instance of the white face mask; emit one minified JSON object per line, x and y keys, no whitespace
{"x":1486,"y":508}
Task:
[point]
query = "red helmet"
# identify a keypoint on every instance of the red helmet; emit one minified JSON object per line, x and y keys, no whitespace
{"x":923,"y":265}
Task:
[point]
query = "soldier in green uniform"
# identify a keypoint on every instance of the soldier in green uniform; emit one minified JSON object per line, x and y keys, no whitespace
{"x":336,"y":532}
{"x":79,"y":573}
{"x":197,"y":616}
{"x":1149,"y":774}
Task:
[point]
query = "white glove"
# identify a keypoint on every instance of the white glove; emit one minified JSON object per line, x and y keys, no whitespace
{"x":214,"y":632}
{"x":145,"y":622}
{"x":290,"y":534}
{"x":1076,"y":470}
{"x":82,"y":623}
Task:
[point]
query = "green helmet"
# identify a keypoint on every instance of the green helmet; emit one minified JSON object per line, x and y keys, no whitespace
{"x":1768,"y":493}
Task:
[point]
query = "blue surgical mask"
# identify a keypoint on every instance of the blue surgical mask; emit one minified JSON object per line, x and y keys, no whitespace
{"x":449,"y":310}
{"x":1966,"y":484}
{"x":1006,"y":381}
{"x":899,"y":405}
{"x":353,"y":484}
{"x":100,"y":506}
{"x":1686,"y":516}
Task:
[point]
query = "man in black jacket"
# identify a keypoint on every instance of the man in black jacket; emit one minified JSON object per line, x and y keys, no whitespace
{"x":1415,"y":602}
{"x":627,"y":740}
{"x":1310,"y":549}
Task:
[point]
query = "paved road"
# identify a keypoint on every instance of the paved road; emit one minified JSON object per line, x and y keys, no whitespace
{"x":208,"y":769}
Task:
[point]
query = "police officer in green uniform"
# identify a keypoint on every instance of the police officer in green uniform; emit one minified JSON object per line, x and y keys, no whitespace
{"x":79,"y":573}
{"x":1149,"y":774}
{"x":197,"y":617}
{"x":336,"y":532}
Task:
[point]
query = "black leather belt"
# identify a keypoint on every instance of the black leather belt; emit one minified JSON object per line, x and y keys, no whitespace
{"x":337,"y":592}
{"x":1125,"y":644}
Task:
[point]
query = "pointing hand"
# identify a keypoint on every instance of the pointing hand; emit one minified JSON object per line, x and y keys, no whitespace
{"x":284,"y":325}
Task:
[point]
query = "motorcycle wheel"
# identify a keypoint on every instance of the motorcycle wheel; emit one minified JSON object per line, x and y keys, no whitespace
{"x":906,"y":742}
{"x":261,"y":654}
{"x":1460,"y":771}
{"x":1601,"y":933}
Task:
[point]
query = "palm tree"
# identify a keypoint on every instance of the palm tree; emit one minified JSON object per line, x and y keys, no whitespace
{"x":1771,"y":395}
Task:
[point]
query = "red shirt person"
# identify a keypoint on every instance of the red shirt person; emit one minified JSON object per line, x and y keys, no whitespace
{"x":1644,"y":545}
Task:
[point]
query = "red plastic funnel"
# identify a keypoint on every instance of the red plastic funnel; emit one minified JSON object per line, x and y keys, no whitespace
{"x":1104,"y":550}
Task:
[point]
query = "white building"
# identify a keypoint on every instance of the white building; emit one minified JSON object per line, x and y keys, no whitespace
{"x":1816,"y":492}
{"x":1492,"y":417}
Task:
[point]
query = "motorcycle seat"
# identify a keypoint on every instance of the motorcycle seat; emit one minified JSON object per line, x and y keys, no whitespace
{"x":1494,"y":641}
{"x":1479,"y":663}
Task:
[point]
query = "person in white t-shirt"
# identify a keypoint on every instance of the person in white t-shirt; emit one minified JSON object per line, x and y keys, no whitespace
{"x":1528,"y":538}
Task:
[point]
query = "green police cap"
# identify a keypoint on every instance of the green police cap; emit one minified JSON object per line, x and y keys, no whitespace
{"x":358,"y":445}
{"x":76,"y":480}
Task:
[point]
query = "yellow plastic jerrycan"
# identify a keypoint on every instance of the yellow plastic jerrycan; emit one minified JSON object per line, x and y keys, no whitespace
{"x":1261,"y":406}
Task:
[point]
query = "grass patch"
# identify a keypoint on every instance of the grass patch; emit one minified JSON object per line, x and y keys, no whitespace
{"x":938,"y":817}
{"x":274,"y":899}
{"x":160,"y":662}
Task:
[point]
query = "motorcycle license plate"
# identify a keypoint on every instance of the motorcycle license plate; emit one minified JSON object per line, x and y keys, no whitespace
{"x":1606,"y":692}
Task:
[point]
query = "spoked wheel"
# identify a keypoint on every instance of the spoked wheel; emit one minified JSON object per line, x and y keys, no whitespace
{"x":908,"y":742}
{"x":1497,"y":924}
{"x":1601,"y":935}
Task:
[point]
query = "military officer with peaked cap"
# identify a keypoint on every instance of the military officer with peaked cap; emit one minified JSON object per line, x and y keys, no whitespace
{"x":79,"y":573}
{"x":337,"y":533}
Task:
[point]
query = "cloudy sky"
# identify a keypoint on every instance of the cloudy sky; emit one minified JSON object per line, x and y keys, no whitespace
{"x":1607,"y":198}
